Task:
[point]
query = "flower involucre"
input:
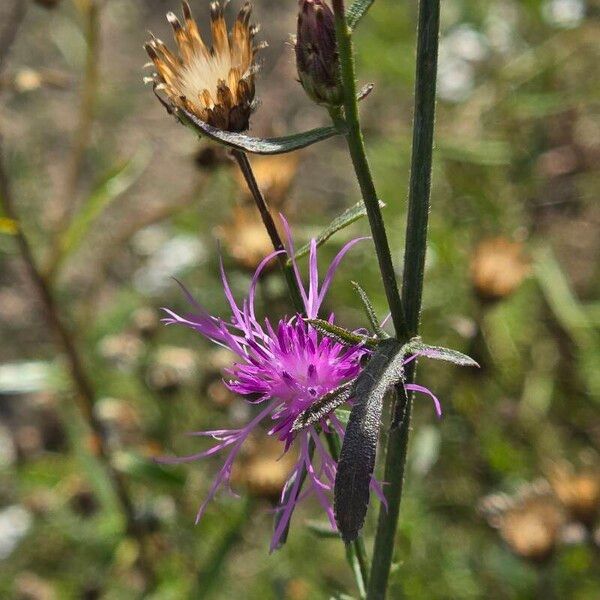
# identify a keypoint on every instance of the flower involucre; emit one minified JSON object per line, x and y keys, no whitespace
{"x":216,"y":83}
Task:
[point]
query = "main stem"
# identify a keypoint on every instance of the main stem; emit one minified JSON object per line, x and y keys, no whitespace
{"x":85,"y":395}
{"x":412,"y":287}
{"x":358,"y":154}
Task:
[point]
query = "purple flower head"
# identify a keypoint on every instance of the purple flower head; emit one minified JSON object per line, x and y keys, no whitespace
{"x":282,"y":368}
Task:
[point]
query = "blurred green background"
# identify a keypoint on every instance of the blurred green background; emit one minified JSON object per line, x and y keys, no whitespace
{"x":117,"y":198}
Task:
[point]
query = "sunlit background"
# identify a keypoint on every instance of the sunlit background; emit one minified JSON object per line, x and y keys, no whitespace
{"x":116,"y":198}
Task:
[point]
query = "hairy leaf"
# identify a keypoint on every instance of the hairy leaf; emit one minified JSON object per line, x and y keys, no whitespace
{"x":369,"y":310}
{"x":416,"y":346}
{"x":342,"y":221}
{"x":254,"y":145}
{"x":341,"y":335}
{"x":359,"y":450}
{"x":322,"y":407}
{"x":357,"y":11}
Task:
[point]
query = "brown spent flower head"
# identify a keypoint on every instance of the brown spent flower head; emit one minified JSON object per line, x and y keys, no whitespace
{"x":317,"y":58}
{"x":262,"y":469}
{"x":498,"y":268}
{"x":216,"y":83}
{"x":274,"y":175}
{"x":530,"y":522}
{"x":577,"y":490}
{"x":245,"y":237}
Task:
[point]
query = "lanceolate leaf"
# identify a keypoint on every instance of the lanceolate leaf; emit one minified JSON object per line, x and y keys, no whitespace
{"x":342,"y":221}
{"x":357,"y":459}
{"x":369,"y":310}
{"x":322,"y":407}
{"x":111,"y":187}
{"x":416,"y":346}
{"x":254,"y":145}
{"x":357,"y":11}
{"x":341,"y":335}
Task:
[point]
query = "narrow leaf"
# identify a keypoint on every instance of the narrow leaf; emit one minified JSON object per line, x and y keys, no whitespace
{"x":254,"y":145}
{"x":113,"y":185}
{"x":322,"y":529}
{"x":349,"y":216}
{"x":357,"y":11}
{"x":359,"y":450}
{"x":369,"y":310}
{"x":323,"y":406}
{"x":416,"y":346}
{"x":341,"y":335}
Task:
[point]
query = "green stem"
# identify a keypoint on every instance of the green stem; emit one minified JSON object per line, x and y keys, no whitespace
{"x":358,"y":154}
{"x":412,"y":289}
{"x":356,"y":553}
{"x":271,"y":228}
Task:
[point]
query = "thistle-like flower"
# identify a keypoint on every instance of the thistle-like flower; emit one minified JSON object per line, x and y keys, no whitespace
{"x":316,"y":53}
{"x":216,"y":83}
{"x":284,"y":369}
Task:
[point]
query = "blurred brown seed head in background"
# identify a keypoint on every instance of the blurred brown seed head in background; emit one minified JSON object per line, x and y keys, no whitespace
{"x":498,"y":267}
{"x":262,"y":469}
{"x":216,"y":83}
{"x":578,"y":490}
{"x":274,"y":175}
{"x":245,"y":237}
{"x":530,"y":522}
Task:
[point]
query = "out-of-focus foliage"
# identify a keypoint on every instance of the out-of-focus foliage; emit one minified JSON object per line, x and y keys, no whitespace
{"x":517,"y":149}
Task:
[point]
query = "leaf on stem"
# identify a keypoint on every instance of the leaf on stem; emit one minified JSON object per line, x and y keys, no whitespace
{"x":254,"y":145}
{"x":369,"y":310}
{"x":341,"y":335}
{"x":323,"y":406}
{"x":357,"y":11}
{"x":359,"y":450}
{"x":349,"y":216}
{"x":416,"y":346}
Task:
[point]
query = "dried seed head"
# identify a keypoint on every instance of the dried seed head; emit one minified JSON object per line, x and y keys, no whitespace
{"x":262,"y":469}
{"x":214,"y":83}
{"x":274,"y":175}
{"x":578,"y":490}
{"x":316,"y":53}
{"x":530,"y":522}
{"x":498,"y":268}
{"x":245,"y":238}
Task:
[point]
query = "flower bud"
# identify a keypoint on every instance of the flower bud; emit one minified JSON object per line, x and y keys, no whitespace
{"x":316,"y":53}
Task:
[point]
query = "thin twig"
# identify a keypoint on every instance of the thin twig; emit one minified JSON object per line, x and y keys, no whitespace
{"x":269,"y":223}
{"x":83,"y":131}
{"x":85,"y":395}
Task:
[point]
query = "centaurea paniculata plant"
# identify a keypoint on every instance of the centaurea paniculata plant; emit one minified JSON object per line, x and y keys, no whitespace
{"x":299,"y":370}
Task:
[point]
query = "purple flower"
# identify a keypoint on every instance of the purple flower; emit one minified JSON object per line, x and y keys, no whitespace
{"x":283,"y":368}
